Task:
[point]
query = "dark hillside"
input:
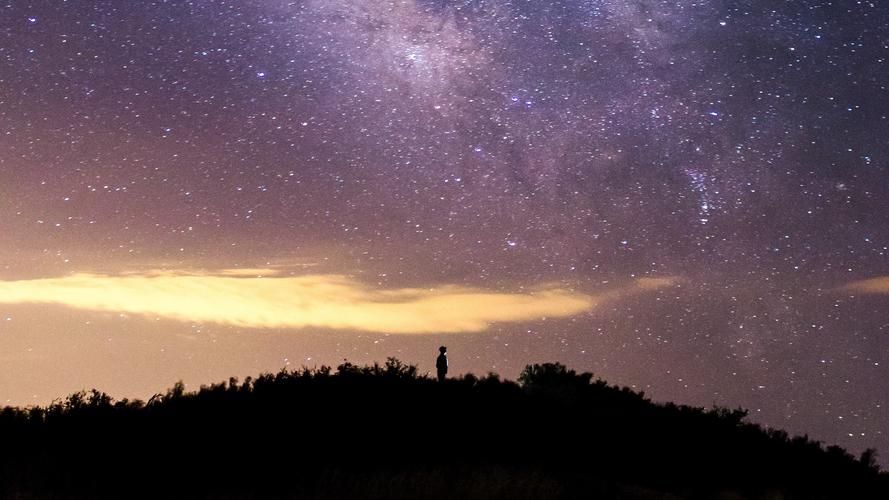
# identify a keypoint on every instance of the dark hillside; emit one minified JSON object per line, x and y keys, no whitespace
{"x":387,"y":432}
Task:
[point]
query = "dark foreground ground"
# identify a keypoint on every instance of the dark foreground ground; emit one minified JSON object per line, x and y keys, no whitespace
{"x":383,"y":432}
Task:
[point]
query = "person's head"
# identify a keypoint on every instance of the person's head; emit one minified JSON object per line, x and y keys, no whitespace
{"x":442,"y":349}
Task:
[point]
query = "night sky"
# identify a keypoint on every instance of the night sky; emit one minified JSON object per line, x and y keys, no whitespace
{"x":688,"y":198}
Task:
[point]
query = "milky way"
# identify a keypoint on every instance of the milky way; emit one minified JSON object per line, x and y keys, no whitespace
{"x":734,"y":153}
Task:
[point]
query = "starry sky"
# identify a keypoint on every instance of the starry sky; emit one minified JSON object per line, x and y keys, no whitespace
{"x":688,"y":198}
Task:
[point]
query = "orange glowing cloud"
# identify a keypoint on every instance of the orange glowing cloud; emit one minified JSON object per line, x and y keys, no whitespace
{"x":879,"y":285}
{"x":262,"y":298}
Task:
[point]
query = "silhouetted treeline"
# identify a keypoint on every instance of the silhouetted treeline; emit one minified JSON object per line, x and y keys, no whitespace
{"x":386,"y":431}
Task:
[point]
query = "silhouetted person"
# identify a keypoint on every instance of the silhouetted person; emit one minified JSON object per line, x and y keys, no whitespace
{"x":441,"y":363}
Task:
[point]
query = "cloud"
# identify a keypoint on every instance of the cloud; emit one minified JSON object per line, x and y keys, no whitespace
{"x":242,"y":298}
{"x":878,"y":285}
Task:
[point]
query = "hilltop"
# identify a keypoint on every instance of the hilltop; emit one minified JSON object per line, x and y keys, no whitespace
{"x":386,"y":431}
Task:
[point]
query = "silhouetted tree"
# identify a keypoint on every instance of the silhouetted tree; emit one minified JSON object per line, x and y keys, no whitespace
{"x":552,"y":374}
{"x":869,"y":459}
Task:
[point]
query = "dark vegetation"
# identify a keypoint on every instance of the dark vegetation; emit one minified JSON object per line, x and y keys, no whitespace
{"x":389,"y":432}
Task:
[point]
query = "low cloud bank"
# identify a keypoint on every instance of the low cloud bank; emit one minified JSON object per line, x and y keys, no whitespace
{"x":261,"y":298}
{"x":879,"y":285}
